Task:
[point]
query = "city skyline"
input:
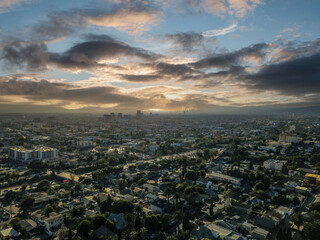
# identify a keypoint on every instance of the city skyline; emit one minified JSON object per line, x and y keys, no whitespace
{"x":204,"y":56}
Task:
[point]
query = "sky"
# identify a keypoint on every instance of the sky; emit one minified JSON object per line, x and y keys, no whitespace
{"x":206,"y":56}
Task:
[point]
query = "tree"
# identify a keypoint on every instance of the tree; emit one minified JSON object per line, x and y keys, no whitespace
{"x":226,"y":195}
{"x":315,"y":215}
{"x":43,"y":185}
{"x":143,"y":232}
{"x":27,"y":203}
{"x":106,"y":205}
{"x":98,"y":220}
{"x":260,"y":194}
{"x":122,"y":206}
{"x":298,"y":220}
{"x":152,"y":222}
{"x":110,"y":225}
{"x":168,"y":191}
{"x":206,"y":154}
{"x":211,"y":209}
{"x":311,"y":230}
{"x":84,"y":228}
{"x":259,"y":186}
{"x":137,"y":222}
{"x":23,"y":186}
{"x":185,"y":222}
{"x":37,"y":166}
{"x":134,"y":235}
{"x":78,"y":188}
{"x":48,"y":209}
{"x":191,"y":175}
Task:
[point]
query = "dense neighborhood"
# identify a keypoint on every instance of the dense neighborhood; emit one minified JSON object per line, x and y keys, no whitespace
{"x":150,"y":176}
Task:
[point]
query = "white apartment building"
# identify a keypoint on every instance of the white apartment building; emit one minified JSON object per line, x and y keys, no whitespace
{"x":85,"y":144}
{"x":38,"y":153}
{"x":288,"y":138}
{"x":274,"y":164}
{"x":226,"y":178}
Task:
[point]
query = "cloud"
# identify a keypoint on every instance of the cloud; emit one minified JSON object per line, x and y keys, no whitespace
{"x":292,"y":49}
{"x":293,"y":77}
{"x":31,"y":55}
{"x":188,"y":41}
{"x":35,"y":56}
{"x":133,"y":17}
{"x":240,"y":8}
{"x":235,"y":8}
{"x":66,"y":93}
{"x":58,"y":25}
{"x":133,"y":20}
{"x":65,"y":96}
{"x":6,"y":5}
{"x":220,"y":31}
{"x":256,"y":52}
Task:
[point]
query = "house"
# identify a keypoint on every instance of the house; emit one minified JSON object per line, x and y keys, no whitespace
{"x":220,"y":232}
{"x":151,"y":196}
{"x":255,"y":200}
{"x":212,"y":194}
{"x":160,"y":205}
{"x":74,"y":203}
{"x":9,"y":233}
{"x":202,"y":232}
{"x":88,"y":200}
{"x":247,"y":226}
{"x":303,"y":190}
{"x":243,"y":208}
{"x":104,"y":233}
{"x":89,"y":213}
{"x":29,"y":225}
{"x":284,"y":211}
{"x":265,"y":222}
{"x":151,"y":188}
{"x":53,"y":220}
{"x":260,"y":233}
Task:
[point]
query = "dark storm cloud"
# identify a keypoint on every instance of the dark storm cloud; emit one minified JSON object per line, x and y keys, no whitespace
{"x":164,"y":68}
{"x":91,"y":97}
{"x":292,"y":49}
{"x":187,"y":41}
{"x":232,"y":58}
{"x":140,"y":78}
{"x":161,"y":71}
{"x":293,"y":77}
{"x":32,"y":55}
{"x":44,"y":90}
{"x":85,"y":55}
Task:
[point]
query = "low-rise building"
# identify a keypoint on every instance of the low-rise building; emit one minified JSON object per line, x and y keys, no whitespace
{"x":274,"y":164}
{"x":222,"y":177}
{"x":312,"y":178}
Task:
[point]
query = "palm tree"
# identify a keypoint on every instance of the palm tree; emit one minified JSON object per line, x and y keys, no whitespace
{"x":143,"y":232}
{"x":226,"y":195}
{"x":134,"y":235}
{"x":178,"y":215}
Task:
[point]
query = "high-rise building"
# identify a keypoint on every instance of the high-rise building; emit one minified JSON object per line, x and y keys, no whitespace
{"x":119,"y":115}
{"x":139,"y":114}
